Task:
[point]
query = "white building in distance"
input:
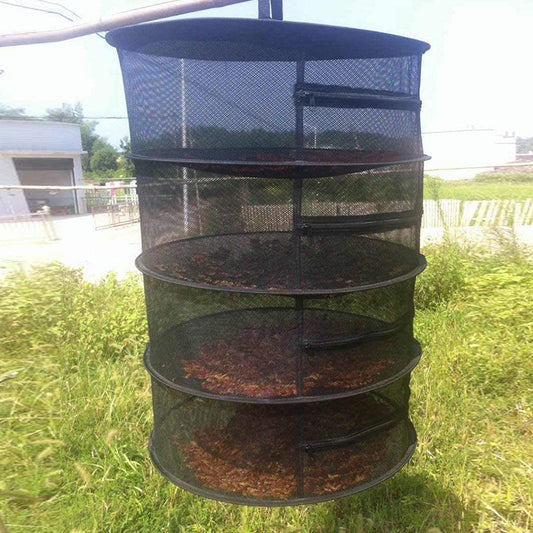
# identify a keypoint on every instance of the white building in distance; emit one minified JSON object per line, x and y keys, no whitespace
{"x":462,"y":154}
{"x":42,"y":154}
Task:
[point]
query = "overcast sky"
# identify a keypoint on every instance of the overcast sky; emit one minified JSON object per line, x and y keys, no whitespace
{"x":477,"y":73}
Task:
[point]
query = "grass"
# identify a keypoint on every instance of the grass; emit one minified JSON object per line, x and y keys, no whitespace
{"x":517,"y":186}
{"x":75,"y":413}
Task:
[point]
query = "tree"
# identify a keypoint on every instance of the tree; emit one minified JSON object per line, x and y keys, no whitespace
{"x":12,"y":113}
{"x":125,"y":165}
{"x":104,"y":158}
{"x":101,"y":158}
{"x":88,"y":138}
{"x":74,"y":114}
{"x":66,"y":113}
{"x":524,"y":145}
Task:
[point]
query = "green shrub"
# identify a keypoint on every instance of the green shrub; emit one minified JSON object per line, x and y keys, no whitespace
{"x":444,"y":278}
{"x":512,"y":186}
{"x":108,"y":318}
{"x":75,"y":412}
{"x":504,"y":177}
{"x":35,"y":306}
{"x":52,"y":305}
{"x":500,"y":325}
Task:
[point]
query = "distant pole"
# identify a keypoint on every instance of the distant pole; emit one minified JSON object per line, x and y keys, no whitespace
{"x":184,"y":145}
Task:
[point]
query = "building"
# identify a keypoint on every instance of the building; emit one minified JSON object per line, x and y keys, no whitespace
{"x":40,"y":154}
{"x":462,"y":154}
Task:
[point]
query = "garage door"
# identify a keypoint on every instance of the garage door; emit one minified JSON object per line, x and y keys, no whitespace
{"x":47,"y":172}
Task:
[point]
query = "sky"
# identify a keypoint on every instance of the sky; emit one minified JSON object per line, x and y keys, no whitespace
{"x":477,"y":74}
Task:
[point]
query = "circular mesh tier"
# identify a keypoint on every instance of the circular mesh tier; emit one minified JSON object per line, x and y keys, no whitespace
{"x":279,"y":263}
{"x":270,"y":355}
{"x":177,"y":203}
{"x":170,"y":306}
{"x":212,"y":95}
{"x":281,"y":455}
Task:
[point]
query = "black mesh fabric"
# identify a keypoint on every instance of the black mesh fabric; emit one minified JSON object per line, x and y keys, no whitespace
{"x":279,"y":172}
{"x":239,"y":117}
{"x":259,"y":348}
{"x":231,"y":107}
{"x":234,"y":233}
{"x":177,"y":202}
{"x":280,"y":455}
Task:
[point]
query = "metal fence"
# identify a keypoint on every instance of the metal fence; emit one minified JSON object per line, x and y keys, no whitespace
{"x":437,"y":214}
{"x":462,"y":213}
{"x":112,"y":207}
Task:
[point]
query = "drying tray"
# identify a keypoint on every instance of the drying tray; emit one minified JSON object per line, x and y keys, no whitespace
{"x":267,"y":263}
{"x":263,"y":355}
{"x":278,"y":162}
{"x":279,"y":455}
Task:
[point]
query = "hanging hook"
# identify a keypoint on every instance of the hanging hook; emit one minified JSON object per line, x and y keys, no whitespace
{"x":270,"y":9}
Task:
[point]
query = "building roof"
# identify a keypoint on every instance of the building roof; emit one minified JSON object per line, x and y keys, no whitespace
{"x":39,"y":138}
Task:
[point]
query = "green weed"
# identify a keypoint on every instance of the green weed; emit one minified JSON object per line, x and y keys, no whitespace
{"x":484,"y":187}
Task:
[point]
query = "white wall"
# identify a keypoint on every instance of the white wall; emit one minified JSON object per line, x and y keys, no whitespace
{"x":27,"y":135}
{"x":466,"y":148}
{"x":78,"y":180}
{"x":12,"y":202}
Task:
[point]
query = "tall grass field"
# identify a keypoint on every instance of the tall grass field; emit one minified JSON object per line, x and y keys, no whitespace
{"x":75,"y":413}
{"x":493,"y":186}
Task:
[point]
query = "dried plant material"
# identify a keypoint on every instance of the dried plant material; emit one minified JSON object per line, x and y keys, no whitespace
{"x":261,"y":362}
{"x":256,"y":454}
{"x":268,"y":262}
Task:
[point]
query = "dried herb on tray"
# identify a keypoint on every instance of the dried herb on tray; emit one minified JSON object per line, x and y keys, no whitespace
{"x":267,"y":263}
{"x":256,"y":454}
{"x":261,"y":362}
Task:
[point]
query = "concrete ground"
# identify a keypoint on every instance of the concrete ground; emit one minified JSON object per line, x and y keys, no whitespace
{"x":100,"y":251}
{"x":78,"y":245}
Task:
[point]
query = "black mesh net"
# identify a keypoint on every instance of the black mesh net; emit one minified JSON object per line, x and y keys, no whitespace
{"x":265,"y":454}
{"x":259,"y":348}
{"x":354,"y":232}
{"x":252,"y":108}
{"x":279,"y":170}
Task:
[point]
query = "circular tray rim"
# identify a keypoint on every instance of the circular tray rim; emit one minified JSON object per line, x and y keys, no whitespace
{"x":199,"y":393}
{"x":256,"y":502}
{"x":295,"y":166}
{"x":330,"y":42}
{"x":139,"y":263}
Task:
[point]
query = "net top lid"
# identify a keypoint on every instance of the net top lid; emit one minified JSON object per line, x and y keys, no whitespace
{"x":226,"y":39}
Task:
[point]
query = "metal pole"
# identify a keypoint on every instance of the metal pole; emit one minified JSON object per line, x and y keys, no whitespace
{"x":74,"y":192}
{"x":65,"y":187}
{"x":268,"y":9}
{"x":277,"y":9}
{"x":299,"y":300}
{"x":184,"y":145}
{"x":263,"y":7}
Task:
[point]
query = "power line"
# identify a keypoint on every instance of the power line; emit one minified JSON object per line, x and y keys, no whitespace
{"x":50,"y":11}
{"x":61,"y":6}
{"x":33,"y":8}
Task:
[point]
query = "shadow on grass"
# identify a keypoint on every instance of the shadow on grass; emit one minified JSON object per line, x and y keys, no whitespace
{"x":404,"y":504}
{"x":407,"y":502}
